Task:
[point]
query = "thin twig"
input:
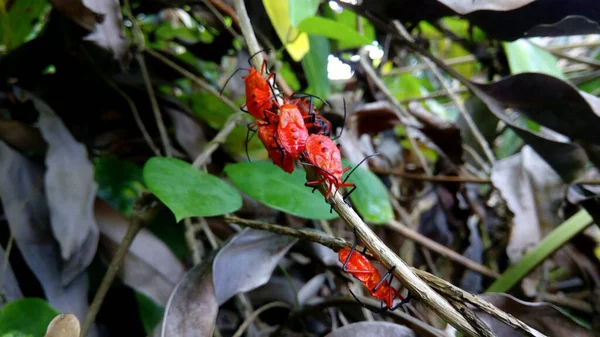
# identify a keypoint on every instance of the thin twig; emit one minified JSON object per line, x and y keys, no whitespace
{"x":199,"y":81}
{"x":145,"y":209}
{"x":451,"y":62}
{"x":139,"y":56}
{"x":223,"y":7}
{"x":5,"y":262}
{"x":248,"y":32}
{"x":583,"y":60}
{"x":435,"y":94}
{"x":190,"y":239}
{"x":403,"y":114}
{"x":461,"y":108}
{"x":441,"y":179}
{"x":219,"y":139}
{"x":221,"y":18}
{"x":249,"y":319}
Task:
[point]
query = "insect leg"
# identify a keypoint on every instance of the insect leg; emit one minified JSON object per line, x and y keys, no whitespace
{"x":382,"y":309}
{"x":401,"y":303}
{"x":249,"y":138}
{"x":388,"y":274}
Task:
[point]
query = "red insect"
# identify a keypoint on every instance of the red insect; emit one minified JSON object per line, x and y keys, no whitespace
{"x":315,"y":122}
{"x":363,"y":270}
{"x":291,"y":132}
{"x":259,"y":93}
{"x":324,"y":156}
{"x":267,"y":133}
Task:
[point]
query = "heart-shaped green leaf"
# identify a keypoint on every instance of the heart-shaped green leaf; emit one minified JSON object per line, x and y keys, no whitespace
{"x":273,"y":187}
{"x":26,"y":317}
{"x":370,"y":198}
{"x":187,"y":191}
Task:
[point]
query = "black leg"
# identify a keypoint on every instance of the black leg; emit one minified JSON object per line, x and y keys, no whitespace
{"x":248,"y":138}
{"x":345,"y":198}
{"x":280,"y":149}
{"x":382,"y":309}
{"x":388,"y":274}
{"x":404,"y":301}
{"x":351,"y":251}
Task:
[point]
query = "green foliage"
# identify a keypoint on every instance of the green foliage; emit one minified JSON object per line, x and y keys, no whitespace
{"x":525,"y":57}
{"x":556,"y":239}
{"x":210,"y":108}
{"x":150,"y":312}
{"x":27,"y":317}
{"x":334,"y":30}
{"x":315,"y":66}
{"x":187,"y":191}
{"x":119,"y":182}
{"x":302,"y":9}
{"x":370,"y":198}
{"x":350,"y":19}
{"x":19,"y":24}
{"x":275,"y":188}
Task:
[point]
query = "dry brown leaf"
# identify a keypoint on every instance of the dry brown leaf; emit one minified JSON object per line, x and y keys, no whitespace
{"x":77,"y":11}
{"x":149,"y":267}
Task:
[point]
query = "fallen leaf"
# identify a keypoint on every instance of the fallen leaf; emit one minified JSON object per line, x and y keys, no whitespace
{"x":70,"y":193}
{"x":24,"y":203}
{"x":462,"y":7}
{"x":188,"y":132}
{"x":64,"y":326}
{"x":533,"y":192}
{"x":22,"y":136}
{"x":372,"y":329}
{"x":77,"y":11}
{"x":543,"y":317}
{"x":192,"y":308}
{"x":149,"y":266}
{"x":251,"y":256}
{"x":110,"y":32}
{"x":10,"y":286}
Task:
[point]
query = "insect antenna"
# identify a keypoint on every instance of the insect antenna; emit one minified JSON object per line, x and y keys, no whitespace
{"x":355,"y":167}
{"x":266,"y":50}
{"x":229,"y":79}
{"x":344,"y":124}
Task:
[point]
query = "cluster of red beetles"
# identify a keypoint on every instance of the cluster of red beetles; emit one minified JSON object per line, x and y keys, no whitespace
{"x":294,"y":131}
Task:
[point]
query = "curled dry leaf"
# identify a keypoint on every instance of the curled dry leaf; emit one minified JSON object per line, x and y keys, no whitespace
{"x":464,"y":7}
{"x":192,"y":308}
{"x":251,"y":255}
{"x":70,"y":192}
{"x":188,"y":132}
{"x":372,"y":329}
{"x":24,"y":203}
{"x":9,"y":285}
{"x":244,"y":263}
{"x":64,"y":326}
{"x":149,"y":267}
{"x":533,"y":192}
{"x":77,"y":11}
{"x":543,"y":317}
{"x":109,"y":34}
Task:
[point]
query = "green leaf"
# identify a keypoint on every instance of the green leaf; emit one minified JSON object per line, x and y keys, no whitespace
{"x":119,"y":182}
{"x":187,"y":191}
{"x":333,"y":30}
{"x":302,"y":9}
{"x":19,"y":24}
{"x":349,"y":19}
{"x":236,"y":144}
{"x":404,"y":86}
{"x":556,"y":239}
{"x":370,"y":197}
{"x":295,"y":42}
{"x":26,"y":317}
{"x":525,"y":57}
{"x":150,"y":312}
{"x":210,"y":108}
{"x":315,"y":66}
{"x":275,"y":188}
